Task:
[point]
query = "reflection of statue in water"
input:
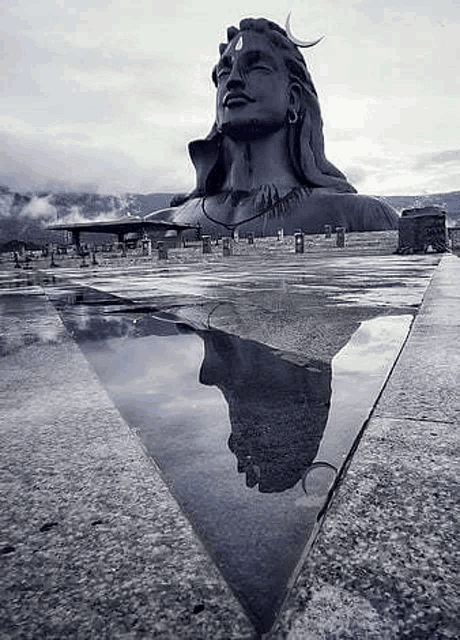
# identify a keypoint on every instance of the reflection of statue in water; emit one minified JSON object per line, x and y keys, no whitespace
{"x":278,"y":410}
{"x":263,"y":166}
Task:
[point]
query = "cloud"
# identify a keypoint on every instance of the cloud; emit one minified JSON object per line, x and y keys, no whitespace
{"x":355,"y":175}
{"x":109,"y":96}
{"x":39,"y":208}
{"x":449,"y":156}
{"x":40,"y":163}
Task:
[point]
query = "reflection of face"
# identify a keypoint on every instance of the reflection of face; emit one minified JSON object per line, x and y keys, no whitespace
{"x":277,"y":410}
{"x":252,"y":86}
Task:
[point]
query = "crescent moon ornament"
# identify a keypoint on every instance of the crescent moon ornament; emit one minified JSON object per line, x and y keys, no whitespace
{"x":300,"y":43}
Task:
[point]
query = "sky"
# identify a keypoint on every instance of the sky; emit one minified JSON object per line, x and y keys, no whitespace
{"x":105,"y":96}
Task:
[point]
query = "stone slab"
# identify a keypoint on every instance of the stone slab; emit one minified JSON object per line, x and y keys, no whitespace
{"x":424,"y":383}
{"x":385,"y":564}
{"x":92,"y":543}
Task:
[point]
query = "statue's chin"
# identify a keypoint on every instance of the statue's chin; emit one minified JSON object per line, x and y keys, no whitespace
{"x":251,"y":129}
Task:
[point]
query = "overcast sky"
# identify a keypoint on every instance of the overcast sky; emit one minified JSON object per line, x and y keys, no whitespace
{"x":104,"y":96}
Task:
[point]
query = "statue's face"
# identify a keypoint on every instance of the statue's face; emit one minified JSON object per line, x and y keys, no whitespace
{"x":252,"y":87}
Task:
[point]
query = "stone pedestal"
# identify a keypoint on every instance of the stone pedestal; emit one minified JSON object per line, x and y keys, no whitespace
{"x":226,"y":247}
{"x":162,"y":251}
{"x":421,"y":230}
{"x":146,"y":247}
{"x":340,"y":237}
{"x":299,"y":242}
{"x":206,"y":244}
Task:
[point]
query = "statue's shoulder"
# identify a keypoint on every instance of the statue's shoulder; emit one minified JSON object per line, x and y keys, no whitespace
{"x":356,"y":212}
{"x":185,"y":212}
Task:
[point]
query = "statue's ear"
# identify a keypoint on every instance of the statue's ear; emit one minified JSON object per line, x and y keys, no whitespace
{"x":295,"y":97}
{"x":204,"y":155}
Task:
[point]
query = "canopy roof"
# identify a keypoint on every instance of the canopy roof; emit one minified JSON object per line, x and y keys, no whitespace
{"x":125,"y":224}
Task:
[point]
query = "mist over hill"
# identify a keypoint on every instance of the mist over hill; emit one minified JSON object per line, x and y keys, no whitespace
{"x":24,"y":216}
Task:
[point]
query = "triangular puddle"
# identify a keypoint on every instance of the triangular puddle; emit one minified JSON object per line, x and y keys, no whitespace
{"x":235,"y":428}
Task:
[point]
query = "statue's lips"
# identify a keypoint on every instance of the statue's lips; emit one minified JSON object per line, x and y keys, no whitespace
{"x":234,"y":100}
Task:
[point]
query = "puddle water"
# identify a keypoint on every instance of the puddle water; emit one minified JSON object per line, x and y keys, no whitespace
{"x":248,"y":442}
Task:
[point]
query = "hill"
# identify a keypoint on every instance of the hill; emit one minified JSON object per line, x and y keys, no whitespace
{"x":449,"y":202}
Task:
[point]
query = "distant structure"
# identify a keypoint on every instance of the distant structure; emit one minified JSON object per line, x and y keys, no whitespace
{"x":422,"y":229}
{"x":121,"y":227}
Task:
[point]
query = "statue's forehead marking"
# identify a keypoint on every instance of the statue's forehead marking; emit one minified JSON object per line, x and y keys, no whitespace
{"x":239,"y":43}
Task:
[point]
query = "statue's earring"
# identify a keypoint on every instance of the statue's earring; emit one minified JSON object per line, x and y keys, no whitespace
{"x":292,"y":116}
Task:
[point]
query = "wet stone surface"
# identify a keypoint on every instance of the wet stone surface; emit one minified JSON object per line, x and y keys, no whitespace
{"x":235,"y":381}
{"x":270,"y":414}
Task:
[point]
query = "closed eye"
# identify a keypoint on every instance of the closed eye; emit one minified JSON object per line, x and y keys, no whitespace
{"x":261,"y":67}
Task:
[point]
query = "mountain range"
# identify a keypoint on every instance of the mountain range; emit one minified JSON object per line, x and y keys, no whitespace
{"x":24,"y":216}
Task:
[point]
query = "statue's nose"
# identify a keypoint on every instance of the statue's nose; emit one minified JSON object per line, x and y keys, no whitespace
{"x":235,"y":79}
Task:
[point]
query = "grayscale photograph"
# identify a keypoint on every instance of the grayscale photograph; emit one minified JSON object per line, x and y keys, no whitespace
{"x":229,"y":320}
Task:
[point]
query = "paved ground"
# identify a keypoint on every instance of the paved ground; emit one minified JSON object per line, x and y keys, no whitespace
{"x":93,"y":545}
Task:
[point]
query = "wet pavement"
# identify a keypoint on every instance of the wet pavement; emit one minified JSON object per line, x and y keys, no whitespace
{"x":328,"y":328}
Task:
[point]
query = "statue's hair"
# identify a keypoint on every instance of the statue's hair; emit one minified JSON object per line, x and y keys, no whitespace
{"x":305,"y":139}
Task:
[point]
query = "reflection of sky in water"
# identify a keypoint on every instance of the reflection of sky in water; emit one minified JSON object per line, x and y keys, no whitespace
{"x":371,"y":348}
{"x":255,"y":538}
{"x":359,"y":372}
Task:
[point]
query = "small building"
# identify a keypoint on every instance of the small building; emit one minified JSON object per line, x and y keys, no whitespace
{"x":422,"y":229}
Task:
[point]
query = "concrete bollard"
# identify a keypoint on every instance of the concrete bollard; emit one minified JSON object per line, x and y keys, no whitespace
{"x":280,"y":234}
{"x":299,"y":242}
{"x":250,"y":238}
{"x":340,"y":237}
{"x":327,"y":231}
{"x":162,"y":250}
{"x":94,"y":262}
{"x":226,"y":247}
{"x":206,"y":240}
{"x":235,"y":235}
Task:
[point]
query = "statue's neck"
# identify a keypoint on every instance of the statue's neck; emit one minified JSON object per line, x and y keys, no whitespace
{"x":251,"y":164}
